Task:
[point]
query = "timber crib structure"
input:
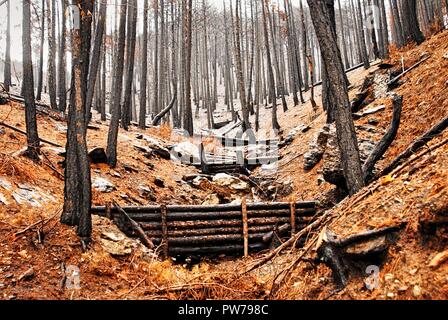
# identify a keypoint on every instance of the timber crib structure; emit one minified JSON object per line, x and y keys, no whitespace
{"x":212,"y":230}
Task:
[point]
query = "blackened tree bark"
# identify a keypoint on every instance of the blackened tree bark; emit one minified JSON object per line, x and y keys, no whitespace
{"x":51,"y":81}
{"x":77,"y":190}
{"x":28,"y":85}
{"x":271,"y":79}
{"x":7,"y":70}
{"x":126,"y":113}
{"x":363,"y":48}
{"x":41,"y":54}
{"x":397,"y":23}
{"x":96,"y":55}
{"x":62,"y":61}
{"x":144,"y":76}
{"x":117,"y":90}
{"x":187,"y":6}
{"x":411,"y":27}
{"x":327,"y":98}
{"x":239,"y":68}
{"x":331,"y":55}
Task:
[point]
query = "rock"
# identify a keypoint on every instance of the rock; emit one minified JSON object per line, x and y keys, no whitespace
{"x":445,"y":56}
{"x":3,"y":199}
{"x":27,"y":275}
{"x":22,"y":196}
{"x":211,"y":199}
{"x":61,"y":128}
{"x":186,"y":152}
{"x":2,"y":131}
{"x":373,"y":121}
{"x":413,"y":272}
{"x":369,"y":129}
{"x":439,"y":259}
{"x":293,"y":134}
{"x":3,"y":101}
{"x":403,"y":289}
{"x":316,"y":149}
{"x":198,"y":181}
{"x":98,"y":155}
{"x":159,"y":182}
{"x":332,"y":170}
{"x":112,"y":236}
{"x":5,"y":184}
{"x":225,"y":180}
{"x":157,"y":147}
{"x":121,"y":248}
{"x":103,"y":185}
{"x":146,"y":192}
{"x":390,"y":295}
{"x":116,"y":174}
{"x":416,"y":291}
{"x":388,"y":276}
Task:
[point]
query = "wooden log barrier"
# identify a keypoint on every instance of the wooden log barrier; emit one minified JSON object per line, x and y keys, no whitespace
{"x":212,"y":229}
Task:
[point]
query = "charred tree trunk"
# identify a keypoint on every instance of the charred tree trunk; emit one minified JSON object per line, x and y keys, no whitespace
{"x":62,"y":86}
{"x":41,"y":55}
{"x":129,"y":77}
{"x":117,"y":90}
{"x":332,"y":60}
{"x":7,"y":70}
{"x":96,"y":56}
{"x":144,"y":77}
{"x":77,"y":191}
{"x":28,"y":85}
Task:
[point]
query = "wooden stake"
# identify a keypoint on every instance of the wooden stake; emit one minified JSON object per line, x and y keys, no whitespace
{"x":293,"y":218}
{"x":165,"y":231}
{"x":245,"y":227}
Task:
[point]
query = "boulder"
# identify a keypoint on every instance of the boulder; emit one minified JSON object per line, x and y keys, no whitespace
{"x":211,"y":199}
{"x":159,"y":182}
{"x":234,"y":183}
{"x":103,"y":185}
{"x":157,"y":147}
{"x":98,"y":155}
{"x":316,"y":149}
{"x":186,"y":152}
{"x":3,"y":100}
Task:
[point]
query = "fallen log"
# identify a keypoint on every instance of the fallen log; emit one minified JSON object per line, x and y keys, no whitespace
{"x":211,"y":208}
{"x":24,"y":133}
{"x":217,"y":250}
{"x":223,"y":223}
{"x":386,"y":141}
{"x":137,"y":228}
{"x":394,"y":80}
{"x":416,"y":145}
{"x":209,"y":231}
{"x":185,"y":216}
{"x":210,"y":240}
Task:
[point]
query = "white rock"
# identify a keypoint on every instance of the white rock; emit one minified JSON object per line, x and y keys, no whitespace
{"x":3,"y":199}
{"x":416,"y":291}
{"x":225,"y":180}
{"x":186,"y":152}
{"x":5,"y":184}
{"x":102,"y":185}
